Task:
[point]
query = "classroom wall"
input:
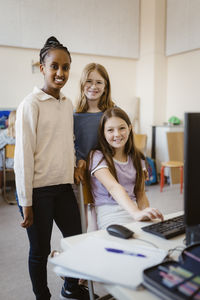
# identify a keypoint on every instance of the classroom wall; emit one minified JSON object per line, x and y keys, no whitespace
{"x":129,"y":78}
{"x":183,"y":84}
{"x":81,"y":24}
{"x":151,"y":67}
{"x":17,"y":79}
{"x":166,"y":86}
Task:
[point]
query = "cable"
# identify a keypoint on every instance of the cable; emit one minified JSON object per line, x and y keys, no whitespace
{"x":154,"y":245}
{"x":178,"y":248}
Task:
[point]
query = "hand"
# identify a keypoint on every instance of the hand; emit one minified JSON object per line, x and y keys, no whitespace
{"x":81,"y":164}
{"x":80,"y":171}
{"x":28,"y":216}
{"x":148,"y":214}
{"x":78,"y":176}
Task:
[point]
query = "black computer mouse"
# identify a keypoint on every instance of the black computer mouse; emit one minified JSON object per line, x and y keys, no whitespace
{"x":120,"y":231}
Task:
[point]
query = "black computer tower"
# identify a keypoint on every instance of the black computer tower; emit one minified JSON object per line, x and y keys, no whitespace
{"x":192,"y":176}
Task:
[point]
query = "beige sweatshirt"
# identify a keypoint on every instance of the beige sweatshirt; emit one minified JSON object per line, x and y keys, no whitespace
{"x":44,"y":150}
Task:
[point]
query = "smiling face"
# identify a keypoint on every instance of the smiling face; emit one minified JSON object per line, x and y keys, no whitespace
{"x":116,"y":132}
{"x":56,"y":71}
{"x":94,"y":86}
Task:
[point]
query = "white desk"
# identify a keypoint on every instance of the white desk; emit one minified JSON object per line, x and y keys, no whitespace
{"x":119,"y":292}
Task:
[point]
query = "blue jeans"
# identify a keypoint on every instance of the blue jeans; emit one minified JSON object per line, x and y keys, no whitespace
{"x":50,"y":203}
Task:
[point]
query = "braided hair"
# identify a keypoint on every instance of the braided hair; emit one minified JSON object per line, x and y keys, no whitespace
{"x":52,"y":43}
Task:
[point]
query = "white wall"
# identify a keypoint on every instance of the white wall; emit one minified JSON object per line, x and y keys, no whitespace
{"x":166,"y":86}
{"x":81,"y":24}
{"x":183,"y":23}
{"x":17,"y":79}
{"x":129,"y":77}
{"x":151,"y":67}
{"x":183,"y":84}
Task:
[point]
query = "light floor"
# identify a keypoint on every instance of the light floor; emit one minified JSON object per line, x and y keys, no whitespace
{"x":14,"y":278}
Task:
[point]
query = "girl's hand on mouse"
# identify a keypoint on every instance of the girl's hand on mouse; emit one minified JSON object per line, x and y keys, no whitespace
{"x":28,"y":216}
{"x":148,"y":214}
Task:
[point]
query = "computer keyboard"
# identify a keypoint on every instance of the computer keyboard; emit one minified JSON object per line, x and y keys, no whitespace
{"x":167,"y":229}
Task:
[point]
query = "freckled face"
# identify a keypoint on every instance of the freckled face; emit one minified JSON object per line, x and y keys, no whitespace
{"x":94,"y":86}
{"x":116,"y":132}
{"x":56,"y":71}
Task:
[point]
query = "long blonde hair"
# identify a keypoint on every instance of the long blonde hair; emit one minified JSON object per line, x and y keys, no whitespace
{"x":11,"y":123}
{"x":105,"y":101}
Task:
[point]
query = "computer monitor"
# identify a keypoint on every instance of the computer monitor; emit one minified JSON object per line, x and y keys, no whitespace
{"x":192,"y":176}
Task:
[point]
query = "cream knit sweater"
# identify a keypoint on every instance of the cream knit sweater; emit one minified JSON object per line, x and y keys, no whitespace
{"x":44,"y":151}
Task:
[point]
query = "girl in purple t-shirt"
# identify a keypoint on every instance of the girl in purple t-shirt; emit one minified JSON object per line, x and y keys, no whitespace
{"x":116,"y":171}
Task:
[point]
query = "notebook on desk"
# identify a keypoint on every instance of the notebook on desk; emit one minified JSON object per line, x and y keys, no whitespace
{"x":91,"y":259}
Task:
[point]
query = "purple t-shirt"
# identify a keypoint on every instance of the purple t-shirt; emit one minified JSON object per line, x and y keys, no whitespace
{"x":126,"y":175}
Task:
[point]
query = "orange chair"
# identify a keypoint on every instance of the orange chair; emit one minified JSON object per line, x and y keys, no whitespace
{"x":8,"y":153}
{"x":171,"y":164}
{"x":175,"y":151}
{"x":140,"y":141}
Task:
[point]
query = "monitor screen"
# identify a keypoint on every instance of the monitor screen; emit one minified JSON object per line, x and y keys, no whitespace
{"x":192,"y":168}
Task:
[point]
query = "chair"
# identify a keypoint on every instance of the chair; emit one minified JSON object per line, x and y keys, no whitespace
{"x":84,"y":230}
{"x":8,"y":153}
{"x":140,"y":141}
{"x":175,"y":163}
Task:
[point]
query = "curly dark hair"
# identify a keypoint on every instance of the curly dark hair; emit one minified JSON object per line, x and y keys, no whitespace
{"x":52,"y":43}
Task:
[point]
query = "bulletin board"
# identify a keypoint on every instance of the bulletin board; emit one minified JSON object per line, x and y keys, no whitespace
{"x":101,"y":27}
{"x":183,"y":26}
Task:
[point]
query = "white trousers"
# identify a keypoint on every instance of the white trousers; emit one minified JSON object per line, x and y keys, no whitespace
{"x":111,"y":214}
